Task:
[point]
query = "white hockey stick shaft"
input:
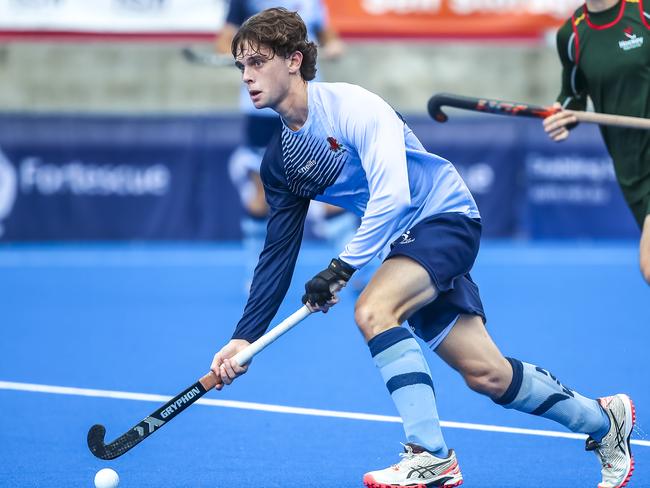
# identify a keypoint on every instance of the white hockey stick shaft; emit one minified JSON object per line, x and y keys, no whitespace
{"x":612,"y":120}
{"x":244,"y":356}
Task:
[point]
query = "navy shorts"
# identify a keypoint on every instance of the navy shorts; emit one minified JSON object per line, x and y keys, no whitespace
{"x":446,"y":246}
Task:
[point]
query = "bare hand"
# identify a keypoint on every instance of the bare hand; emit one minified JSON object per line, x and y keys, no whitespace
{"x":224,"y":368}
{"x":556,"y":125}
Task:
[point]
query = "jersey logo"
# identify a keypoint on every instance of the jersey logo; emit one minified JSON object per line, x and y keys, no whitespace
{"x":307,"y":166}
{"x":406,"y":238}
{"x":335,"y":147}
{"x":632,"y":42}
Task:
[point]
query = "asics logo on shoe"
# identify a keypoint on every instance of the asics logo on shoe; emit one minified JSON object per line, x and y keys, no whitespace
{"x":620,"y":434}
{"x":422,"y":471}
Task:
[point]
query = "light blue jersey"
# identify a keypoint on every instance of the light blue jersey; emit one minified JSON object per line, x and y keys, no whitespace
{"x":356,"y":152}
{"x":359,"y":154}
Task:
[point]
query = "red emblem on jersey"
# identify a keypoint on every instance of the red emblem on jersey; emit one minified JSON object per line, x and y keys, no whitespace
{"x":628,"y":30}
{"x":334,"y":144}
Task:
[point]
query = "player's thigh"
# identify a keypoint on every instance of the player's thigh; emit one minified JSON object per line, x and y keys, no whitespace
{"x":398,"y":288}
{"x":469,"y":349}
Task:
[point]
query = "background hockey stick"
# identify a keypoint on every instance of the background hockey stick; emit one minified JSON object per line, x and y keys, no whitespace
{"x":203,"y":57}
{"x":436,"y":102}
{"x":180,"y":402}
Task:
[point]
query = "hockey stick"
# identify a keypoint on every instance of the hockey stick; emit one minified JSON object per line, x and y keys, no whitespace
{"x":180,"y":402}
{"x":487,"y":105}
{"x":206,"y":58}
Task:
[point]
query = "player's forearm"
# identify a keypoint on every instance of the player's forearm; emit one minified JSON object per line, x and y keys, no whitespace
{"x":269,"y":287}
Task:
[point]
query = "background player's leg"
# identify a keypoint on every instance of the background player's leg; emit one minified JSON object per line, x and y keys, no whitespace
{"x":644,"y":249}
{"x":243,"y":168}
{"x":513,"y":384}
{"x":400,"y":287}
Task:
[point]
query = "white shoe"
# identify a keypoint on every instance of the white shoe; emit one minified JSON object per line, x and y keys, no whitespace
{"x":417,"y":469}
{"x":614,"y":450}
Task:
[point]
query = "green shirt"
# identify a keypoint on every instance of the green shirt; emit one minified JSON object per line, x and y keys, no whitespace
{"x":606,"y":56}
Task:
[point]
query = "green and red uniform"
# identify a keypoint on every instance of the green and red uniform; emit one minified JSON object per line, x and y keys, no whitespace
{"x":606,"y":56}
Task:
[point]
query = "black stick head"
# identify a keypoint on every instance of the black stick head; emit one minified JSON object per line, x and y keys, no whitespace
{"x":96,"y":444}
{"x":434,"y":108}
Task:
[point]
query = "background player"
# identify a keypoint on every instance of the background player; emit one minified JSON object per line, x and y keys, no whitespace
{"x":604,"y":57}
{"x":342,"y":144}
{"x":328,"y":222}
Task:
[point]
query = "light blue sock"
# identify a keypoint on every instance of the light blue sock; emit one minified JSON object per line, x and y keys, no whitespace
{"x":403,"y":367}
{"x":537,"y":392}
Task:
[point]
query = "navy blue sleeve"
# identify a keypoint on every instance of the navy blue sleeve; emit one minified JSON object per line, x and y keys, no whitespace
{"x":236,"y":12}
{"x":277,"y":261}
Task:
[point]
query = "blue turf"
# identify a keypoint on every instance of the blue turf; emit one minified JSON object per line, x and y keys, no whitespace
{"x":149,"y":318}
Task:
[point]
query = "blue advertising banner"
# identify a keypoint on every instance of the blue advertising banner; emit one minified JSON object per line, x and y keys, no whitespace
{"x":571,"y":189}
{"x":118,"y":177}
{"x":104,"y":178}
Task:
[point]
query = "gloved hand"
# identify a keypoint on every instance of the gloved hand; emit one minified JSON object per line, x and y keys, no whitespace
{"x":319,"y":290}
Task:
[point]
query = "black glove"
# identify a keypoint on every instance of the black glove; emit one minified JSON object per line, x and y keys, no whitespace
{"x":317,"y":290}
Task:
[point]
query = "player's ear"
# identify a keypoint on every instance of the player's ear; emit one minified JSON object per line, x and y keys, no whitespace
{"x":295,"y":62}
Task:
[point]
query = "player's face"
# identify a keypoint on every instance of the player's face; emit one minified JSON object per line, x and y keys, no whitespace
{"x":266,"y":76}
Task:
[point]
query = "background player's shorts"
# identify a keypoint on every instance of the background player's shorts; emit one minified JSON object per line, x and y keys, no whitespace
{"x":446,"y":245}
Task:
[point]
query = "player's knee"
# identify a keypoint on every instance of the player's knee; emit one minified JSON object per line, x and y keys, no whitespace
{"x":371,"y":318}
{"x":486,"y":380}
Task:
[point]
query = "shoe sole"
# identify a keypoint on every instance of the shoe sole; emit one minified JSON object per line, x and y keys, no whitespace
{"x":630,"y":418}
{"x":370,"y":482}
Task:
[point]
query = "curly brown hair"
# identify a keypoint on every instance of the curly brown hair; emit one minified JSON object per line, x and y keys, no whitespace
{"x":283,"y":32}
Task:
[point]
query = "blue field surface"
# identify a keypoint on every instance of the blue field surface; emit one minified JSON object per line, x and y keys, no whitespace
{"x":147,"y":319}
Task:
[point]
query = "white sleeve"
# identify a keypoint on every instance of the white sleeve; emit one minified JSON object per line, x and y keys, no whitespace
{"x":377,"y":133}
